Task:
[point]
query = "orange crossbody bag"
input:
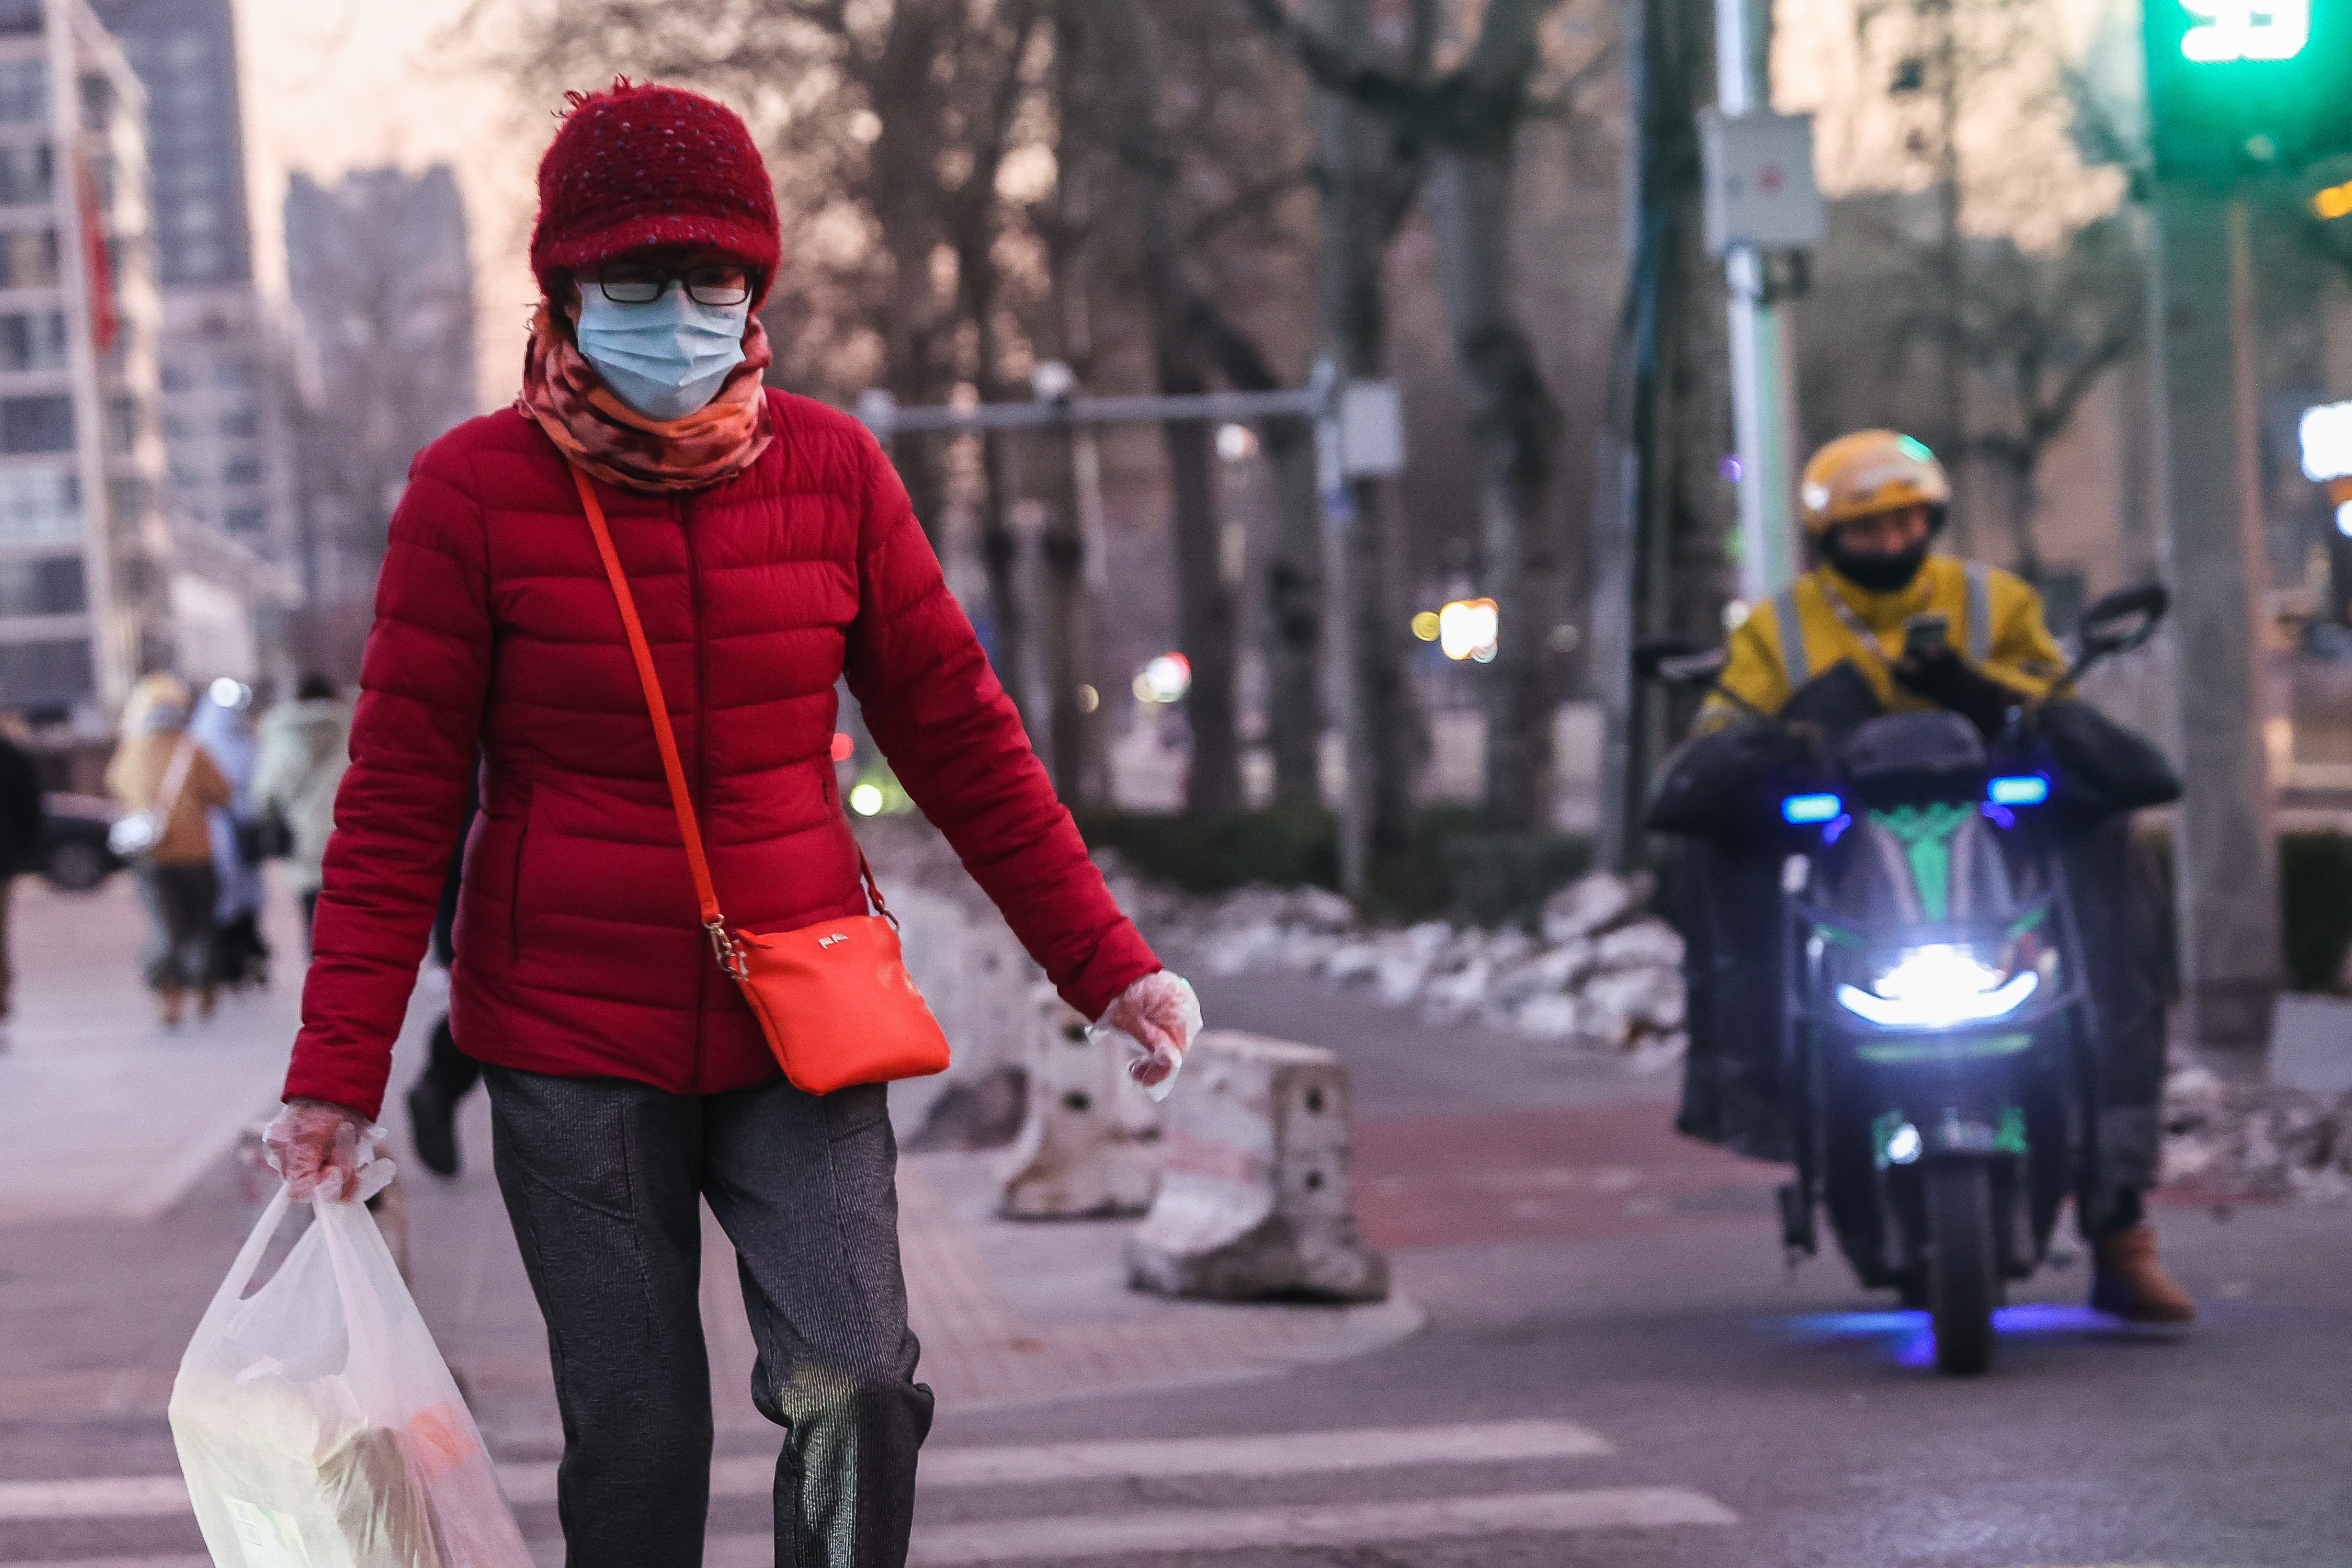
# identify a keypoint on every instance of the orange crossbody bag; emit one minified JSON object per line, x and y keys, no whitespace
{"x":833,"y":999}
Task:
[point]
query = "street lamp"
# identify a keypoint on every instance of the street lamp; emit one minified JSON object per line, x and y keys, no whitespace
{"x":1469,"y":628}
{"x":1165,"y":680}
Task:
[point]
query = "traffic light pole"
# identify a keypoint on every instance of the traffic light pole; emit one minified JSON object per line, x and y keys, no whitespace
{"x":2209,"y":500}
{"x":1762,"y":409}
{"x":1343,"y":627}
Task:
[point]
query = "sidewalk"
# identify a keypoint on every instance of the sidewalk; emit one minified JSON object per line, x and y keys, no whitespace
{"x":91,"y":1068}
{"x":121,"y":1205}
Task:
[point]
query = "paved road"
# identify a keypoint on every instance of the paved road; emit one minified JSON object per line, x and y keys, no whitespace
{"x":1616,"y":1368}
{"x":1580,"y":1264}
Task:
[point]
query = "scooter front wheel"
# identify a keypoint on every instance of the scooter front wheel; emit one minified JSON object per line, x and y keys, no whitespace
{"x":1963,"y":1284}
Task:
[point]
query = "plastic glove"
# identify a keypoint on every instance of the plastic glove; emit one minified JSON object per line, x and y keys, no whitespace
{"x":1160,"y":1018}
{"x":319,"y":1147}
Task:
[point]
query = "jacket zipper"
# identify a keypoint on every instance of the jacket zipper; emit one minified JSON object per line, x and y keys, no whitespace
{"x":700,"y":788}
{"x":514,"y":887}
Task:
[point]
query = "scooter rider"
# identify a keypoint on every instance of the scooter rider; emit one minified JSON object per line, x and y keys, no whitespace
{"x":1873,"y":504}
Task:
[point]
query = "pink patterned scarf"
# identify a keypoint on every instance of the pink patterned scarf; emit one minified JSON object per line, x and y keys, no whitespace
{"x":605,"y":436}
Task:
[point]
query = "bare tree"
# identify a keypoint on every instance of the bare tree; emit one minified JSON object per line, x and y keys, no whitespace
{"x":2042,"y":330}
{"x":891,"y":124}
{"x":1945,"y":57}
{"x":1466,"y":119}
{"x":1205,"y":610}
{"x":1367,"y":179}
{"x":1664,"y":506}
{"x":1181,"y":106}
{"x":378,"y":269}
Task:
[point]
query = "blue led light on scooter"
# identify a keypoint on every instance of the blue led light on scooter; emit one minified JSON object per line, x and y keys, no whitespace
{"x":2018,"y":789}
{"x":1803,"y":810}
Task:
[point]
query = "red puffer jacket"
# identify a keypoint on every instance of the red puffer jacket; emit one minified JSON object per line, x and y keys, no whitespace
{"x":580,"y":952}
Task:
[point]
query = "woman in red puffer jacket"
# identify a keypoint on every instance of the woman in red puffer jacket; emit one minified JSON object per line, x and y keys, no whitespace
{"x":770,"y":551}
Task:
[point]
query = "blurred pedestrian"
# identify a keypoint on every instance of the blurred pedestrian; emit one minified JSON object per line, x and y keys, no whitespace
{"x":223,"y":725}
{"x":774,"y":551}
{"x":22,"y":818}
{"x":305,"y":747}
{"x":164,"y":775}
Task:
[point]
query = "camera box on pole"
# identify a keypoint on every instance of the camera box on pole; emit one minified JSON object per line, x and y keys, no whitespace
{"x":1761,"y":189}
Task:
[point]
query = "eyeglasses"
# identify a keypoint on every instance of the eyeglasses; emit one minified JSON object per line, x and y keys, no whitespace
{"x":638,"y":283}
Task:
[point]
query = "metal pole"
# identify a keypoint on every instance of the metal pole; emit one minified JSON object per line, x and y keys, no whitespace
{"x":1341,"y":633}
{"x":1094,"y":597}
{"x":1762,"y":414}
{"x":2225,"y":845}
{"x":886,"y":417}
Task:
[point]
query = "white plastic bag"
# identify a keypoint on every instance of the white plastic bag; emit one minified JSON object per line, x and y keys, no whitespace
{"x":317,"y":1424}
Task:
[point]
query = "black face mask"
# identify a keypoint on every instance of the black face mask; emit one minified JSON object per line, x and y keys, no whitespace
{"x":1878,"y":574}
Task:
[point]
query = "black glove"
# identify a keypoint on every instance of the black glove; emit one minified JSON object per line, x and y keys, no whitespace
{"x":1944,"y":678}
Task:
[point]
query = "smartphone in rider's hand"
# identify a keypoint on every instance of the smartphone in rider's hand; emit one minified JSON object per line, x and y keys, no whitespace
{"x":1926,"y":635}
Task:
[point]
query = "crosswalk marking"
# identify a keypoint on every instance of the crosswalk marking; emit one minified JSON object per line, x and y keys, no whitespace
{"x":1064,"y":1536}
{"x":1116,"y":1533}
{"x":106,"y":1497}
{"x":1268,"y":1454}
{"x":1347,"y":1524}
{"x":1260,"y":1454}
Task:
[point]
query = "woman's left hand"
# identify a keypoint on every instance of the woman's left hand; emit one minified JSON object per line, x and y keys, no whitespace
{"x":1160,"y":1014}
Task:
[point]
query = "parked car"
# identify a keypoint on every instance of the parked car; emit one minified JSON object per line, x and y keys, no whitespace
{"x":74,"y":854}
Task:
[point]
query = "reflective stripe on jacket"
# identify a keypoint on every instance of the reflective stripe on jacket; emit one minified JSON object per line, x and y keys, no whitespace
{"x":1995,"y":623}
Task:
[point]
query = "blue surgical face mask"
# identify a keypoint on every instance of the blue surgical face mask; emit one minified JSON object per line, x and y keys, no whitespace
{"x":665,"y":359}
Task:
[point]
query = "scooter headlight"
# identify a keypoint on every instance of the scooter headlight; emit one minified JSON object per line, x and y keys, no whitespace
{"x":1941,"y":986}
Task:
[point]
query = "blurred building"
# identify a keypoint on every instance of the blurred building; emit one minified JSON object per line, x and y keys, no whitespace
{"x":225,"y":359}
{"x":86,"y":556}
{"x":382,"y":282}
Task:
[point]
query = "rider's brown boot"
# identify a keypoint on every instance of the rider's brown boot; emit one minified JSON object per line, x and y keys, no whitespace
{"x":2129,"y":1281}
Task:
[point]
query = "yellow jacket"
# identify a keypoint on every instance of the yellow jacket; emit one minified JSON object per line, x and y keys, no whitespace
{"x":1995,"y":617}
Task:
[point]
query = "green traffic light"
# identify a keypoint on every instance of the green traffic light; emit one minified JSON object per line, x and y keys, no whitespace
{"x":2247,"y":88}
{"x":2225,"y":30}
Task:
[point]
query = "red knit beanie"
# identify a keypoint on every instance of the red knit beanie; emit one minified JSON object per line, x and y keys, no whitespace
{"x":635,"y":166}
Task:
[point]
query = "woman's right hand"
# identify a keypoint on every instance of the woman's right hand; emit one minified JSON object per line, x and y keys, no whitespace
{"x":315,"y":1146}
{"x":1162,"y":1016}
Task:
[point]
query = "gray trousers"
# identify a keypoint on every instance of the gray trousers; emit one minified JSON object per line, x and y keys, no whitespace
{"x":602,"y":1178}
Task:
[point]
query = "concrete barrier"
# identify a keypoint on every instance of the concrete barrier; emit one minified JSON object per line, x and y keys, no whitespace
{"x":977,"y":980}
{"x":1253,"y":1194}
{"x":1090,"y":1139}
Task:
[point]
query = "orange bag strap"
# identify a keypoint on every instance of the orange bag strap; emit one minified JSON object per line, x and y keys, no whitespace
{"x":730,"y":957}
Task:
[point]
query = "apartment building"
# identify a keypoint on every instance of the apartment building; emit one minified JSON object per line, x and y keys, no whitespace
{"x":85,"y":548}
{"x":225,"y":355}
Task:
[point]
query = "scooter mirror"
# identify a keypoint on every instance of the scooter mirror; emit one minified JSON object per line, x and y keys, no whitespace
{"x":2122,"y":620}
{"x":1678,"y":661}
{"x":1693,"y":669}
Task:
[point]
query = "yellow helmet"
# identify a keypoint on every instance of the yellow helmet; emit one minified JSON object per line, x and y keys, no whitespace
{"x":1869,"y":471}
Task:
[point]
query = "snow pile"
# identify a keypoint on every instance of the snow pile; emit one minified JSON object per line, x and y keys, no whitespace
{"x":1596,"y":971}
{"x":2254,"y":1139}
